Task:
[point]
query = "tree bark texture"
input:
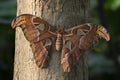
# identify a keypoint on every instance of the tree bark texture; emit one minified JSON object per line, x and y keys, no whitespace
{"x":59,"y":14}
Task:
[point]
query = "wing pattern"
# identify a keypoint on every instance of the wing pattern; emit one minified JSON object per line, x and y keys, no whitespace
{"x":71,"y":42}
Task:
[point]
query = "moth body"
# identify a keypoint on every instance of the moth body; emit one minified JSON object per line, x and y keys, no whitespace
{"x":58,"y":43}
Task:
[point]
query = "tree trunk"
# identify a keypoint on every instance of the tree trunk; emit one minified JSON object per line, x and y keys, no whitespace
{"x":57,"y":13}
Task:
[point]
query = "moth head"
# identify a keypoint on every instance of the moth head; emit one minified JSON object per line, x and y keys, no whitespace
{"x":102,"y":32}
{"x":60,"y":31}
{"x":20,"y":20}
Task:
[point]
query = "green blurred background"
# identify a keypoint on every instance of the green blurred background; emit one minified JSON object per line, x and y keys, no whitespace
{"x":103,"y":60}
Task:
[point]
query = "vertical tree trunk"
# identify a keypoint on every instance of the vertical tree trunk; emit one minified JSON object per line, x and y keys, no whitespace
{"x":60,"y":14}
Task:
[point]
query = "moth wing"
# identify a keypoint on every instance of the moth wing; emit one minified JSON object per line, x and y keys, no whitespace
{"x":71,"y":52}
{"x":42,"y":54}
{"x":36,"y":32}
{"x":81,"y":37}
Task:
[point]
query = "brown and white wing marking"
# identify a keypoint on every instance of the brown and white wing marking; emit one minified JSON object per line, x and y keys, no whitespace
{"x":38,"y":37}
{"x":92,"y":36}
{"x":81,"y":38}
{"x":46,"y":36}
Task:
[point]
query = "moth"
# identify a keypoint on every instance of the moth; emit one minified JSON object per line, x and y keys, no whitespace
{"x":71,"y":42}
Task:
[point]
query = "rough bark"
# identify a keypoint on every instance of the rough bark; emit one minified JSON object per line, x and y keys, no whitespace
{"x":59,"y":14}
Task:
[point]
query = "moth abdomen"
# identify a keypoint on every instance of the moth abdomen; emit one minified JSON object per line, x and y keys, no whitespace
{"x":58,"y":43}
